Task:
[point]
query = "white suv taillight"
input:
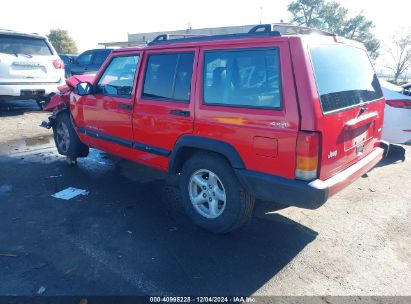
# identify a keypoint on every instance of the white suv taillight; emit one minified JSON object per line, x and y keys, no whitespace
{"x":58,"y":63}
{"x":401,"y":103}
{"x":308,"y":146}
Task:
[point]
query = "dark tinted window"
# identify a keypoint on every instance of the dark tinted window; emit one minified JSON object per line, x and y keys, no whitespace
{"x":168,"y":76}
{"x":118,"y":78}
{"x":100,"y":56}
{"x":23,"y":45}
{"x":344,"y":76}
{"x":85,"y":58}
{"x":243,"y":78}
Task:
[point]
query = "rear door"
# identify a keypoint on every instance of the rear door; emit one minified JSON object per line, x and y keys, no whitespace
{"x":27,"y":59}
{"x":164,"y":107}
{"x":351,"y":102}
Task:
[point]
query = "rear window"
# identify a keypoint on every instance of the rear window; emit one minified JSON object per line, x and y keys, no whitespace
{"x":168,"y":77}
{"x":23,"y":45}
{"x":344,"y":76}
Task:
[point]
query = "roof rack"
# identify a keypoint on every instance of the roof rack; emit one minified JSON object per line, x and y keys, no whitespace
{"x":271,"y":29}
{"x":255,"y":31}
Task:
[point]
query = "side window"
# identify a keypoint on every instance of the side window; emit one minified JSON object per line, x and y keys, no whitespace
{"x":99,"y":57}
{"x":168,"y":77}
{"x":118,"y":78}
{"x":84,"y":58}
{"x":242,"y":78}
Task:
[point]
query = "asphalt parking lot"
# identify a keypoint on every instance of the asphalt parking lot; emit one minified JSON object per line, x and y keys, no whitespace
{"x":128,"y":235}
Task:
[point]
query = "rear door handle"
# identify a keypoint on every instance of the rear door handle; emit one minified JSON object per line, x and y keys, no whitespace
{"x":180,"y":113}
{"x":125,"y":106}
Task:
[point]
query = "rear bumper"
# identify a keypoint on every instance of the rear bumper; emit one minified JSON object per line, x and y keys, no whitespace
{"x":30,"y":90}
{"x":309,"y":195}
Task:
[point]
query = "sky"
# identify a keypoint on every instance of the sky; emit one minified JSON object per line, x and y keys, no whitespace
{"x":90,"y":22}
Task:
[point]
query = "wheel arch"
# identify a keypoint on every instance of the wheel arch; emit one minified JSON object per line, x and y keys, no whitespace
{"x":189,"y":145}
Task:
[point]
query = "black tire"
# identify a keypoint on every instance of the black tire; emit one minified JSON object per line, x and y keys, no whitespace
{"x":239,"y":204}
{"x":70,"y":146}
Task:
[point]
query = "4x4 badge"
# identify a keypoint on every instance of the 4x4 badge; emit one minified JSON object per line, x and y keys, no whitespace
{"x":279,"y":124}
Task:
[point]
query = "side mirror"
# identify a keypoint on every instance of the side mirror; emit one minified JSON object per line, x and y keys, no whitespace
{"x":84,"y":88}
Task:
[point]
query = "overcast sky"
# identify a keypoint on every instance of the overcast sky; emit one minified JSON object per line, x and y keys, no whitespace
{"x":90,"y":22}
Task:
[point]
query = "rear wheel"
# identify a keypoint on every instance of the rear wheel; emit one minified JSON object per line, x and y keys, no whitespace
{"x":66,"y":139}
{"x":212,"y":195}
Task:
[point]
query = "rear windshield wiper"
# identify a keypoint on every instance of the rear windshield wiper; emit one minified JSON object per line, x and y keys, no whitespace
{"x":27,"y":55}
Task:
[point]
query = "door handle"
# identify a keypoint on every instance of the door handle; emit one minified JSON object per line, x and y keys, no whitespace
{"x":180,"y":113}
{"x":125,"y":106}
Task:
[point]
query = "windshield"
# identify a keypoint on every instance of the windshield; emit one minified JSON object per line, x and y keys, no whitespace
{"x":344,"y":76}
{"x":23,"y":45}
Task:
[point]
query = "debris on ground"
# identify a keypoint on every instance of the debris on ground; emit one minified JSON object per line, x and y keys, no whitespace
{"x":41,"y":290}
{"x":372,"y":189}
{"x":69,"y":193}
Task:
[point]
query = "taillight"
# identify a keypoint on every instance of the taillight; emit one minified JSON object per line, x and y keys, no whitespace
{"x":308,"y":146}
{"x":58,"y":63}
{"x":405,"y":104}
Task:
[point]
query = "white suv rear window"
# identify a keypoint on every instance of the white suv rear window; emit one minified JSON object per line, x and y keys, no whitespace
{"x":24,"y":45}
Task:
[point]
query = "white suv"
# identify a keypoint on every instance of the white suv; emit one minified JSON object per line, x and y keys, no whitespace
{"x":29,"y":67}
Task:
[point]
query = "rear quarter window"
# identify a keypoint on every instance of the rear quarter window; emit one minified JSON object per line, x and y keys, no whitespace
{"x":247,"y":78}
{"x":24,"y":45}
{"x":344,"y":77}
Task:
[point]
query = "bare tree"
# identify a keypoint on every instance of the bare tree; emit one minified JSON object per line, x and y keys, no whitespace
{"x":400,"y":52}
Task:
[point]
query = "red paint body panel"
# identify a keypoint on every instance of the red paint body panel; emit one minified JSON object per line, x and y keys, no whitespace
{"x":265,"y":139}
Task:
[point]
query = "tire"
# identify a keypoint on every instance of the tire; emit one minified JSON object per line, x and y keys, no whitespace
{"x":66,"y":139}
{"x":231,"y":206}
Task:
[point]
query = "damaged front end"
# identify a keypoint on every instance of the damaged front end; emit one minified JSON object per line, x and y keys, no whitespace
{"x":61,"y":101}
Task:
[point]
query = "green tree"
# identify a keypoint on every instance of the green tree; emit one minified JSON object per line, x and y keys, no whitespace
{"x":332,"y":17}
{"x":62,"y":42}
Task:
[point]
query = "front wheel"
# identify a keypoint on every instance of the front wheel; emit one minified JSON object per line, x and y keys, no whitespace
{"x":66,"y":139}
{"x":212,"y":195}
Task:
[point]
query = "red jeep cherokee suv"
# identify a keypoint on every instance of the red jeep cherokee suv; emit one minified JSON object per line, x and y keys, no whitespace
{"x":285,"y":118}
